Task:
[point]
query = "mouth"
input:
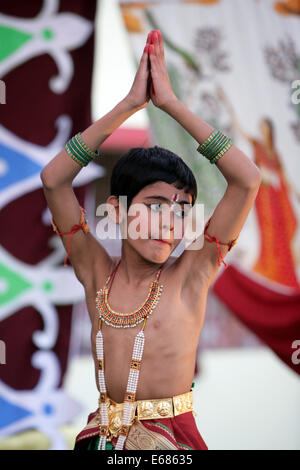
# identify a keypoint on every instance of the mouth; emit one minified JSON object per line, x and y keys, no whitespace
{"x":161,"y":241}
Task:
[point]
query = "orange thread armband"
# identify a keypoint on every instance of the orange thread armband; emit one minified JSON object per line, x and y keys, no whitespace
{"x":215,"y":239}
{"x":82,"y":225}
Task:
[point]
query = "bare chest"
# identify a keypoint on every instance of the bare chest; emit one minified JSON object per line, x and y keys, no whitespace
{"x":171,"y":333}
{"x":172,"y":328}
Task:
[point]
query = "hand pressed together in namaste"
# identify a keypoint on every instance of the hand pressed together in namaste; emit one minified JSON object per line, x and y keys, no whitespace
{"x":152,"y":80}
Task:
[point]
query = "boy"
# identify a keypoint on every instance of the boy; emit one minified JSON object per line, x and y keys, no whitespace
{"x":153,"y":409}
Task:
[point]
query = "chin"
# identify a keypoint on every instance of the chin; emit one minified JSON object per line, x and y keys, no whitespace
{"x":161,"y":256}
{"x":158,"y":257}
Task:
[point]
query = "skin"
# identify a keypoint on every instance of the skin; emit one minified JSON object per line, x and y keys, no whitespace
{"x":170,"y":350}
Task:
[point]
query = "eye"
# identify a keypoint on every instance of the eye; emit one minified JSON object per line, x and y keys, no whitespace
{"x":180,"y":214}
{"x":154,"y":206}
{"x":183,"y":213}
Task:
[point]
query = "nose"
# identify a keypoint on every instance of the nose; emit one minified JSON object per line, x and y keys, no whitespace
{"x":167,"y":220}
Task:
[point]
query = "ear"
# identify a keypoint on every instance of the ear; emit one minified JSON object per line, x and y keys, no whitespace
{"x":116,"y":211}
{"x":112,"y":205}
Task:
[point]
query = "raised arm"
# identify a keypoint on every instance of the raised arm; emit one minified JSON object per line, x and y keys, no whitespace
{"x":242,"y":175}
{"x":85,"y":252}
{"x":243,"y":180}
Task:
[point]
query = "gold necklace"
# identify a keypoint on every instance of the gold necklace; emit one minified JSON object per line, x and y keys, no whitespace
{"x":131,"y":319}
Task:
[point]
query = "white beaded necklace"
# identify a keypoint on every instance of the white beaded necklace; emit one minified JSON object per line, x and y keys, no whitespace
{"x":136,"y":359}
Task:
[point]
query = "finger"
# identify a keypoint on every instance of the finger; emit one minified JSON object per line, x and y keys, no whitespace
{"x":144,"y":60}
{"x":150,"y":36}
{"x":153,"y":60}
{"x":144,"y":57}
{"x":151,"y":50}
{"x":148,"y":54}
{"x":156,"y":43}
{"x":161,"y":44}
{"x":152,"y":89}
{"x":149,"y":81}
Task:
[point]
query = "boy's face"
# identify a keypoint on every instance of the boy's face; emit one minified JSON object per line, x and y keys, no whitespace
{"x":157,"y":212}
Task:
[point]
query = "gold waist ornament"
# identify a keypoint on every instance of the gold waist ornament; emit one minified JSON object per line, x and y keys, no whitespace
{"x":147,"y":409}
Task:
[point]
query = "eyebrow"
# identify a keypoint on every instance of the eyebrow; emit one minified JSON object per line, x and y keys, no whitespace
{"x":161,"y":198}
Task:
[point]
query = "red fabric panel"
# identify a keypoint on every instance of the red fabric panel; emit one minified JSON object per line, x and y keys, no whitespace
{"x":273,"y":316}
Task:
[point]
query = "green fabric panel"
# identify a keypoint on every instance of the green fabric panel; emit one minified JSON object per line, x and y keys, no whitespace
{"x":10,"y":40}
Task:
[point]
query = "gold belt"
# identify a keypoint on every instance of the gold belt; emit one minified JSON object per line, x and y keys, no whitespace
{"x":148,"y":409}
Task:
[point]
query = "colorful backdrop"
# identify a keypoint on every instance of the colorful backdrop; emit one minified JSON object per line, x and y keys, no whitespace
{"x":237,"y":65}
{"x":46,"y":63}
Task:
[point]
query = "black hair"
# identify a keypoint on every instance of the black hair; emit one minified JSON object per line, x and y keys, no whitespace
{"x":141,"y":166}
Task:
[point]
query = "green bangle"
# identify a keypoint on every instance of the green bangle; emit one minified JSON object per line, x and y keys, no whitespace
{"x":69,"y":152}
{"x":203,"y":146}
{"x":86,"y":148}
{"x":215,"y":146}
{"x":79,"y":151}
{"x":220,"y":154}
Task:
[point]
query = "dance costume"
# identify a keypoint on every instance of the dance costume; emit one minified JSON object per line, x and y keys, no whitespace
{"x":165,"y":423}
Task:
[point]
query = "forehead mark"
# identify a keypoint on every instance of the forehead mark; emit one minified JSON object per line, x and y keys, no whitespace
{"x":161,"y":198}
